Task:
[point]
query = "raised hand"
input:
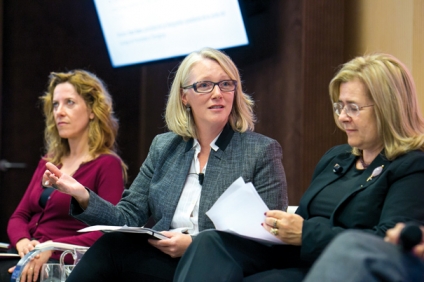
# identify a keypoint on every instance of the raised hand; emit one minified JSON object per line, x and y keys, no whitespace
{"x":65,"y":184}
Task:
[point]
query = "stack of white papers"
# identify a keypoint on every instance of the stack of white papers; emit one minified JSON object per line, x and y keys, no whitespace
{"x":125,"y":229}
{"x":240,"y":210}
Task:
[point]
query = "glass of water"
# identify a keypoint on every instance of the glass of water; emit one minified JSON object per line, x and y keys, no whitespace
{"x":51,"y":272}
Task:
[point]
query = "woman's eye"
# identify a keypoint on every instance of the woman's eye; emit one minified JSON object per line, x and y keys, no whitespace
{"x":70,"y":102}
{"x":203,"y":85}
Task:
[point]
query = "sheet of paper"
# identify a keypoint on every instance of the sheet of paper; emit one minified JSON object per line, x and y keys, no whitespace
{"x":240,"y":210}
{"x":126,"y":229}
{"x":100,"y":228}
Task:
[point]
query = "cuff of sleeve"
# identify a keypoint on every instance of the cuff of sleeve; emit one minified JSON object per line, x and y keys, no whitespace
{"x":76,"y":209}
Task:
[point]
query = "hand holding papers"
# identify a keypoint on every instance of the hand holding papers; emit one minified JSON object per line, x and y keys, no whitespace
{"x":240,"y":210}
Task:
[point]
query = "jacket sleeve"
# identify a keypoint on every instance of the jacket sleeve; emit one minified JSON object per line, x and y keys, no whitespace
{"x":129,"y":210}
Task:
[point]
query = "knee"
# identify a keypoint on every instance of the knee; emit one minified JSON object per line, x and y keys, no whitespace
{"x":353,"y":239}
{"x":206,"y":237}
{"x":109,"y":242}
{"x":106,"y":239}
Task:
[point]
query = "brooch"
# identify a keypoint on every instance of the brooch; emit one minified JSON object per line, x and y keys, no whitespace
{"x":375,"y":172}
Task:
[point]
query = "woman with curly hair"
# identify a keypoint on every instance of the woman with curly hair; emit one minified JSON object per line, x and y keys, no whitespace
{"x":80,"y":138}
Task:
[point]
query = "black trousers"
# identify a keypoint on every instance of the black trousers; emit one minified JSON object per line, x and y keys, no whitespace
{"x":5,"y":264}
{"x":220,"y":256}
{"x":124,"y":257}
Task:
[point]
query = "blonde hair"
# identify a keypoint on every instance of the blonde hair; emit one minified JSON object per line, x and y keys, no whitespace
{"x":102,"y":129}
{"x":391,"y":87}
{"x":178,"y":118}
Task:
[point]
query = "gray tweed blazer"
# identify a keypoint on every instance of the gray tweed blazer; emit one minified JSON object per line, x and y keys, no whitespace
{"x":158,"y":186}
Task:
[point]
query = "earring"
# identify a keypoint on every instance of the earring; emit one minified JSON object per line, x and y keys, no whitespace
{"x":188,"y":109}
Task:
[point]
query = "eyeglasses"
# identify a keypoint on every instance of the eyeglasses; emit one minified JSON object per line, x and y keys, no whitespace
{"x":204,"y":87}
{"x":350,"y":109}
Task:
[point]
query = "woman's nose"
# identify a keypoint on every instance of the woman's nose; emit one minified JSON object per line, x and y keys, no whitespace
{"x":59,"y":110}
{"x":216,"y":92}
{"x":343,"y":115}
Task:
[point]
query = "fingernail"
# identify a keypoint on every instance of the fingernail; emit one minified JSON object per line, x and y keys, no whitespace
{"x":46,"y":183}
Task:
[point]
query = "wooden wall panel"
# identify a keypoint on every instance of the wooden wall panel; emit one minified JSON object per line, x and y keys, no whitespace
{"x":275,"y":83}
{"x":397,"y":28}
{"x":322,"y":43}
{"x":418,"y":49}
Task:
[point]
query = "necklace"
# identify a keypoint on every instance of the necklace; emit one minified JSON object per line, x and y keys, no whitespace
{"x":363,"y":163}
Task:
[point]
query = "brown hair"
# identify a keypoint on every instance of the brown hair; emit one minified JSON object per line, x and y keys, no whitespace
{"x":103,"y":128}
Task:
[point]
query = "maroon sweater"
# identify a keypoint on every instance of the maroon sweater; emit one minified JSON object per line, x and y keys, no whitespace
{"x":102,"y":175}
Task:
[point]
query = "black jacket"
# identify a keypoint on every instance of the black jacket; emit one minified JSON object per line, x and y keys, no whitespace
{"x":396,"y":195}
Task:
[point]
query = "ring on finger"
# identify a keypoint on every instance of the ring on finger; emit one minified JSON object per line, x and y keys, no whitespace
{"x":275,"y":224}
{"x":274,"y":231}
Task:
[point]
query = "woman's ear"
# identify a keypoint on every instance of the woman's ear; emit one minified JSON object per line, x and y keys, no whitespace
{"x":184,"y":98}
{"x":91,"y":116}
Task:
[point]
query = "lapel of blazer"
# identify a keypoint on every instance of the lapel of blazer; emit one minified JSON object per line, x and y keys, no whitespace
{"x":215,"y":169}
{"x":324,"y":178}
{"x":328,"y":176}
{"x":179,"y":171}
{"x":364,"y":181}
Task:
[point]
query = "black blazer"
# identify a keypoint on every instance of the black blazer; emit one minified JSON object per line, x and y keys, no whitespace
{"x":396,"y":195}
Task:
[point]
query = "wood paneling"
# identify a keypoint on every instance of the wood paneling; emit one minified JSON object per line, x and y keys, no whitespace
{"x":389,"y":26}
{"x":322,"y":54}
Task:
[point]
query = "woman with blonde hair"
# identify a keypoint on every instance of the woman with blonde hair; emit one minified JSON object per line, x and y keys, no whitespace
{"x":390,"y":85}
{"x":369,"y":184}
{"x":80,"y":139}
{"x":211,"y":144}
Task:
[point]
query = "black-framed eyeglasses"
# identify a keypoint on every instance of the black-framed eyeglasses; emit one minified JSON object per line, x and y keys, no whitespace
{"x":351,"y":109}
{"x":204,"y":87}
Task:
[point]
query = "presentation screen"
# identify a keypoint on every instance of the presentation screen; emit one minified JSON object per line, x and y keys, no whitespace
{"x":140,"y":31}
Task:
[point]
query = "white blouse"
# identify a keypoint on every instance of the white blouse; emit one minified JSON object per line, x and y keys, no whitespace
{"x":186,"y":215}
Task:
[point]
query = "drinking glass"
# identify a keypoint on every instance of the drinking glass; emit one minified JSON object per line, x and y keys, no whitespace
{"x":51,"y":272}
{"x":77,"y":254}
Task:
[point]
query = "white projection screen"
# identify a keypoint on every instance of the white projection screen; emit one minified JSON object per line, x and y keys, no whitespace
{"x":140,"y":31}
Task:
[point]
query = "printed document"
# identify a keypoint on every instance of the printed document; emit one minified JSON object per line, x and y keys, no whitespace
{"x":240,"y":210}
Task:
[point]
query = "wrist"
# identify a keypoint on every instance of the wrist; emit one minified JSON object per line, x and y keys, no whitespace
{"x":83,"y":199}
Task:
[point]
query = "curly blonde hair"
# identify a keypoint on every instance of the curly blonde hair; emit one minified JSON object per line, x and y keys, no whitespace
{"x":391,"y":87}
{"x":178,"y":119}
{"x":103,"y":128}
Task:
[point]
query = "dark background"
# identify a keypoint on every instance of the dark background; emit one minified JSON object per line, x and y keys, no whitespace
{"x":296,"y":46}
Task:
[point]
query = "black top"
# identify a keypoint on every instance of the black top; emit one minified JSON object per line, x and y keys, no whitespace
{"x":326,"y":201}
